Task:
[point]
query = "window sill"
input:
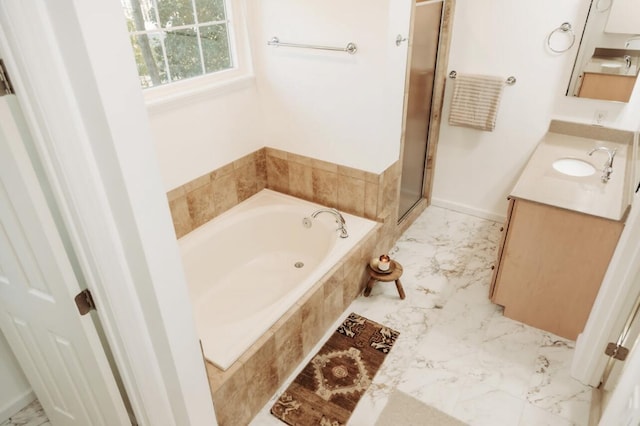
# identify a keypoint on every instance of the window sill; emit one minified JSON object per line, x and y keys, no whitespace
{"x":160,"y":99}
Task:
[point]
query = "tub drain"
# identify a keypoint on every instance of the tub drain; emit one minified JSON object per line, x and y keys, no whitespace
{"x":298,"y":264}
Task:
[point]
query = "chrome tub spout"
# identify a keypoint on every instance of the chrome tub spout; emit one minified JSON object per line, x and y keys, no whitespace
{"x":339,"y":220}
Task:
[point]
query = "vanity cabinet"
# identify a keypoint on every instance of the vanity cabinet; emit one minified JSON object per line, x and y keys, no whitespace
{"x":551,"y":262}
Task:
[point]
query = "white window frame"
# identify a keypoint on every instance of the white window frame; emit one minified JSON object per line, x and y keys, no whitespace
{"x":240,"y":75}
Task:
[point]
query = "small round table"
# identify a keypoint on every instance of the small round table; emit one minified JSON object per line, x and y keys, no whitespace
{"x":394,"y":275}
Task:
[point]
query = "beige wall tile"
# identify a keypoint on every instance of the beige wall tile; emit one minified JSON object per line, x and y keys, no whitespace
{"x":300,"y":159}
{"x":262,"y":374}
{"x":225,"y":195}
{"x":197,"y":183}
{"x":371,"y":200}
{"x":182,"y":223}
{"x":261,"y":169}
{"x":354,"y":282}
{"x":217,"y":377}
{"x":351,"y":172}
{"x":201,"y":206}
{"x":246,"y":180}
{"x":272,"y":152}
{"x":277,"y":174}
{"x":333,"y":299}
{"x":325,"y":187}
{"x":226,"y":401}
{"x":225,"y":170}
{"x":243,"y":161}
{"x":351,"y":195}
{"x":312,"y":319}
{"x":300,"y":181}
{"x":324,"y":165}
{"x":371,"y":177}
{"x":176,"y":193}
{"x":288,"y":339}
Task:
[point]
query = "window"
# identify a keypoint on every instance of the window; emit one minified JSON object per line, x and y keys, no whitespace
{"x":175,"y":40}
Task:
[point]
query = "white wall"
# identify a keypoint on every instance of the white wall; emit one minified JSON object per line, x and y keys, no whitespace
{"x":195,"y":137}
{"x":15,"y":391}
{"x":475,"y":170}
{"x":328,"y":105}
{"x":333,"y":106}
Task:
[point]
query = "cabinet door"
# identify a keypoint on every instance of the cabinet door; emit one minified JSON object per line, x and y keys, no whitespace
{"x":552,"y":266}
{"x":496,"y":267}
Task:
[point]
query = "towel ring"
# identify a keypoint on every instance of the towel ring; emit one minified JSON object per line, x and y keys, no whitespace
{"x":565,"y":28}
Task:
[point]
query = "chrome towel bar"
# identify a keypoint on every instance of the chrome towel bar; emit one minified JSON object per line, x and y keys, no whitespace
{"x":510,"y":80}
{"x":351,"y":48}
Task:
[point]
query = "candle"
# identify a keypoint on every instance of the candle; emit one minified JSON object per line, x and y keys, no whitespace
{"x":384,"y":262}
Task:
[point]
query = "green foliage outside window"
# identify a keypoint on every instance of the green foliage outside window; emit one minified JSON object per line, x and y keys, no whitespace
{"x":177,"y":39}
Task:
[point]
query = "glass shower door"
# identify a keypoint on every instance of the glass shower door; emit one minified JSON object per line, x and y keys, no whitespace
{"x":426,"y":31}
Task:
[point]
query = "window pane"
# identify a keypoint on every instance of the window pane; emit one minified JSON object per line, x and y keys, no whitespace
{"x":215,"y":47}
{"x":140,"y":15}
{"x":183,"y":54}
{"x":210,"y":10}
{"x":175,"y":12}
{"x":147,"y":50}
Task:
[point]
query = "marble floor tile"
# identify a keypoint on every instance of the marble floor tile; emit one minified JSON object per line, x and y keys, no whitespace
{"x":456,"y":351}
{"x":31,"y":415}
{"x":552,"y":388}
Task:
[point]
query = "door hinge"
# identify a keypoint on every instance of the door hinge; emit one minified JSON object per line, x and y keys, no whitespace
{"x":616,"y":351}
{"x":84,"y":302}
{"x":5,"y":83}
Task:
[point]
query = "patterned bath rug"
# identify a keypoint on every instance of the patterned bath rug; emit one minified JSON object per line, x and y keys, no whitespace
{"x":329,"y":387}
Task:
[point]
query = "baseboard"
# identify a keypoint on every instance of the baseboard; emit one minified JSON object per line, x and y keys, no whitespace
{"x":463,"y":208}
{"x":16,"y":405}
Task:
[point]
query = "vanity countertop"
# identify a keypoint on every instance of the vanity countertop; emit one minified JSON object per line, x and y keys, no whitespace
{"x":541,"y":183}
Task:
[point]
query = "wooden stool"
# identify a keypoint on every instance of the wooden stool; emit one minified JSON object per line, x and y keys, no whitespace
{"x":394,"y":275}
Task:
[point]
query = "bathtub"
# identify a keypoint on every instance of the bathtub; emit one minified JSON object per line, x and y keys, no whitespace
{"x":248,"y":266}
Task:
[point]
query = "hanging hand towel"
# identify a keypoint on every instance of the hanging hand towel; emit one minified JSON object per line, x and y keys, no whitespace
{"x":475,"y":101}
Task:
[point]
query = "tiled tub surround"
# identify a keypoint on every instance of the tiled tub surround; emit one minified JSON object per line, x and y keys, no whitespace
{"x":350,"y":190}
{"x":239,"y":392}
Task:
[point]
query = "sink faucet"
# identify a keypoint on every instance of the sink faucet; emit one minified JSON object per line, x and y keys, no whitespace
{"x":627,"y":61}
{"x":339,"y":220}
{"x":608,"y":165}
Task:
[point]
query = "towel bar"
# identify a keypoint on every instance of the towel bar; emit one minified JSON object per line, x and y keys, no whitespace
{"x":351,"y":48}
{"x":510,"y":80}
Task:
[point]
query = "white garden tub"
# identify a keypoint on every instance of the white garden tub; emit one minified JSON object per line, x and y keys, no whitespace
{"x":248,"y":266}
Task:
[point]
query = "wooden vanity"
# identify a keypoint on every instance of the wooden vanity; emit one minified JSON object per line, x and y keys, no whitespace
{"x":561,"y":231}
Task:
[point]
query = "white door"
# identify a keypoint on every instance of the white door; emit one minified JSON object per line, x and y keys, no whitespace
{"x":58,"y":349}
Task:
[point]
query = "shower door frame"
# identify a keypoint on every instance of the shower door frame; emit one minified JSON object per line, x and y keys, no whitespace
{"x":437,"y":103}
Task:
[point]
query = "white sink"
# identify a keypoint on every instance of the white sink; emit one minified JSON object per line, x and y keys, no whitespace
{"x":574,"y":167}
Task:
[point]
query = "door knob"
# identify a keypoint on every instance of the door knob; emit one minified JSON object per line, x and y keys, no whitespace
{"x":400,"y":39}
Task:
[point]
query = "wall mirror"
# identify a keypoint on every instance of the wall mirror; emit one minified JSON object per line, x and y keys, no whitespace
{"x":608,"y":59}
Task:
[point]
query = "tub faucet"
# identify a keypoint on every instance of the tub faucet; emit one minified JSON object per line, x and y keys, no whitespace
{"x":339,"y":220}
{"x":608,"y":165}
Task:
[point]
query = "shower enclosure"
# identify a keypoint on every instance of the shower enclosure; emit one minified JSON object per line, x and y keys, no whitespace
{"x":426,"y":33}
